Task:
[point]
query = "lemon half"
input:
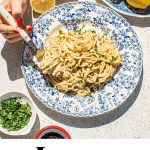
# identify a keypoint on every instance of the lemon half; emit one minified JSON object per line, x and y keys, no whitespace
{"x":139,"y":3}
{"x":41,"y":6}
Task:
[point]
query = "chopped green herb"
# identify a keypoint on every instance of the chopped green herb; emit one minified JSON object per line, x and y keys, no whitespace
{"x":93,"y":31}
{"x":79,"y":29}
{"x":88,"y":84}
{"x":89,"y":94}
{"x":105,"y":34}
{"x":14,"y":115}
{"x":60,"y":31}
{"x":95,"y":47}
{"x":76,"y":28}
{"x":77,"y":68}
{"x":99,"y":39}
{"x":80,"y":82}
{"x":97,"y":80}
{"x":113,"y":59}
{"x":83,"y":26}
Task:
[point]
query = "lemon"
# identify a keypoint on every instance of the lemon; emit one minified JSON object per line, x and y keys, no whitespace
{"x":139,"y":3}
{"x":41,"y":6}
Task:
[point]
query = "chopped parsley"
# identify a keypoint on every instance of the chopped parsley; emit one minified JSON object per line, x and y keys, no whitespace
{"x":80,"y":82}
{"x":88,"y":94}
{"x":87,"y":84}
{"x":60,"y":31}
{"x":113,"y":59}
{"x":76,"y":29}
{"x":14,"y":115}
{"x":97,"y":80}
{"x":83,"y":26}
{"x":79,"y":29}
{"x":95,"y":47}
{"x":93,"y":31}
{"x":101,"y":39}
{"x":105,"y":34}
{"x":77,"y":68}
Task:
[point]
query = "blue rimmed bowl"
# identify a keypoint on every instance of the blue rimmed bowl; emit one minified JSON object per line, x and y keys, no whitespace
{"x":102,"y":19}
{"x":124,"y":8}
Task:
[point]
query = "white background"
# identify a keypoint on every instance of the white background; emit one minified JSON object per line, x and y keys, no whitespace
{"x":75,"y":144}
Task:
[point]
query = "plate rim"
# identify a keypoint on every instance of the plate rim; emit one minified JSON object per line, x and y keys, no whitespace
{"x":84,"y":115}
{"x":125,"y":13}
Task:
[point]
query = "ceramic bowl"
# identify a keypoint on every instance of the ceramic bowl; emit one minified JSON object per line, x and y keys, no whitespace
{"x":24,"y":100}
{"x":52,"y":129}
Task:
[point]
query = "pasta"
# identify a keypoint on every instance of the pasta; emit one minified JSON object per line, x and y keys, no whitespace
{"x":77,"y":61}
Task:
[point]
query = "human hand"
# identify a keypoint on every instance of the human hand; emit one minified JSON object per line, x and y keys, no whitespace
{"x":17,"y":9}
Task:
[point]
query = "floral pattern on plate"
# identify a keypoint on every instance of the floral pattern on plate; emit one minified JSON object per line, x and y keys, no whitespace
{"x":103,"y":19}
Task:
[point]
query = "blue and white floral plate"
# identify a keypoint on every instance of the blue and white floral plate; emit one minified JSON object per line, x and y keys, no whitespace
{"x":126,"y":9}
{"x":102,"y":19}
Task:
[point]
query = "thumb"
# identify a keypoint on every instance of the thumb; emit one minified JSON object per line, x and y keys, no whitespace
{"x":6,"y":5}
{"x":17,"y":9}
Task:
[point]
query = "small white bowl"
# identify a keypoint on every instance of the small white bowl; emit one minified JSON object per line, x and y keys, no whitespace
{"x":24,"y":100}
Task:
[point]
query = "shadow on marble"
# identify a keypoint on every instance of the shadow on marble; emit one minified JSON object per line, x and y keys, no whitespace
{"x":92,"y":121}
{"x":12,"y":55}
{"x":31,"y":135}
{"x":12,"y":52}
{"x":139,"y":22}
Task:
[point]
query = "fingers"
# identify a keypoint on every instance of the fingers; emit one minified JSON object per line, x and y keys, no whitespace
{"x":10,"y":35}
{"x":17,"y":9}
{"x":28,"y":28}
{"x":7,"y":29}
{"x":17,"y":12}
{"x":14,"y":39}
{"x":5,"y":3}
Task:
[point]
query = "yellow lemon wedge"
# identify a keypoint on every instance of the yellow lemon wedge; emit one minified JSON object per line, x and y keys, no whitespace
{"x":142,"y":4}
{"x":41,"y":6}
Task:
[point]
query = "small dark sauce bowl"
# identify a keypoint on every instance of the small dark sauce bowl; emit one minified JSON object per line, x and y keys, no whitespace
{"x":52,"y":135}
{"x":52,"y":132}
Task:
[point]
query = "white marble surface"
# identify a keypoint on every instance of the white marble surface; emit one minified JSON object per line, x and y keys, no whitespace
{"x":131,"y":120}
